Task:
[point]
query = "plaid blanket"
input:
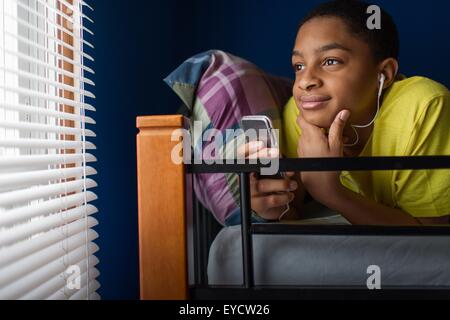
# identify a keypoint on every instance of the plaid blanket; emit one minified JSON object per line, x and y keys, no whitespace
{"x":219,"y":89}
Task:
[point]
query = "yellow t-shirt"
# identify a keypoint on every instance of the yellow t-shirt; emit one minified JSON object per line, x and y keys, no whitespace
{"x":414,"y":120}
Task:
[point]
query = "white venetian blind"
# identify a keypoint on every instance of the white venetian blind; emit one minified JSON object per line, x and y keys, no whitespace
{"x":47,"y":248}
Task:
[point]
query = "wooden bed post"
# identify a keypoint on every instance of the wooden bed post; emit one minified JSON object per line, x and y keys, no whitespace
{"x":162,"y":210}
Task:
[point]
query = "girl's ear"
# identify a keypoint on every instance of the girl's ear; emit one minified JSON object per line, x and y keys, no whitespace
{"x":389,"y":67}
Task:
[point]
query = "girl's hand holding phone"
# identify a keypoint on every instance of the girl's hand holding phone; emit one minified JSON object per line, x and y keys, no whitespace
{"x":269,"y":197}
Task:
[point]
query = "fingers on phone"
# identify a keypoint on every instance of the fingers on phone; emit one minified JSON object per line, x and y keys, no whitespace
{"x":245,"y":150}
{"x":289,"y":174}
{"x":267,"y":153}
{"x":278,"y":199}
{"x":276,"y":185}
{"x":253,"y":177}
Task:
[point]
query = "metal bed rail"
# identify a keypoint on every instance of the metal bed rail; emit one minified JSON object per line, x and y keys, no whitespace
{"x":202,"y":229}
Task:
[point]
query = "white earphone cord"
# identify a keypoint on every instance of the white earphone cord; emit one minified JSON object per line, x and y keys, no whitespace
{"x":380,"y":91}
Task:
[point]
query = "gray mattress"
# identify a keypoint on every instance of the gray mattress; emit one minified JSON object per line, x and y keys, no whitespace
{"x":311,"y":260}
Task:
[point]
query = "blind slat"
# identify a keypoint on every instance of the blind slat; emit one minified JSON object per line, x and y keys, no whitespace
{"x":30,"y":126}
{"x":62,"y":44}
{"x":73,"y":8}
{"x":24,"y":179}
{"x":45,"y":96}
{"x":24,"y":266}
{"x":46,"y":81}
{"x":28,"y":194}
{"x":44,"y":270}
{"x":14,"y":216}
{"x":47,"y":35}
{"x":82,"y":294}
{"x":27,"y":230}
{"x":58,"y":13}
{"x":44,"y":143}
{"x":7,"y":162}
{"x":84,"y":4}
{"x":28,"y":247}
{"x":94,"y":285}
{"x":94,"y":296}
{"x":59,"y":281}
{"x":33,"y":45}
{"x":47,"y":65}
{"x":47,"y":112}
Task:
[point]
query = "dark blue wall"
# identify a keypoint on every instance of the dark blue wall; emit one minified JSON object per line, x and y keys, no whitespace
{"x":139,"y":42}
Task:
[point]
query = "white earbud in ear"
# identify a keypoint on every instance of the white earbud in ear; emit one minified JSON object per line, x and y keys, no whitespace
{"x":382,"y":79}
{"x":381,"y":85}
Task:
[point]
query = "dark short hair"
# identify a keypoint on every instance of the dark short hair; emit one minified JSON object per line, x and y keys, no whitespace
{"x":384,"y":43}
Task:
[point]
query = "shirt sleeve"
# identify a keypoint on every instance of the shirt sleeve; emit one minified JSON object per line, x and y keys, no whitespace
{"x":425,"y":193}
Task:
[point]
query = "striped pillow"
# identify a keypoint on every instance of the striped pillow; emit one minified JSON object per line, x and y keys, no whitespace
{"x":219,"y":89}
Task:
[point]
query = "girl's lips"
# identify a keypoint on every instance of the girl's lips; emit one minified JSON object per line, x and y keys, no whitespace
{"x":313,"y":104}
{"x":310,"y":102}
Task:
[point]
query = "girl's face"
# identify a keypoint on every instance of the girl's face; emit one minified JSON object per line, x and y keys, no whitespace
{"x":334,"y":70}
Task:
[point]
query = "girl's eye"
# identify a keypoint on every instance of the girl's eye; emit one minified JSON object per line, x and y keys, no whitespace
{"x":331,"y":62}
{"x":298,"y":67}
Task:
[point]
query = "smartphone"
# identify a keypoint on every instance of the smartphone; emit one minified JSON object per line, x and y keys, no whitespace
{"x":262,"y":126}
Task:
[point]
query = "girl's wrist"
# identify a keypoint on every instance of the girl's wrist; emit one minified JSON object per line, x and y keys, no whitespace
{"x":337,"y":198}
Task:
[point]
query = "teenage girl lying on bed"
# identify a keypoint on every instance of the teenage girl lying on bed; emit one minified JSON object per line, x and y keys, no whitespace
{"x":342,"y":71}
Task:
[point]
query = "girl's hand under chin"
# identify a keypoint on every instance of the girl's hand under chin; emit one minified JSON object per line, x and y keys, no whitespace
{"x":314,"y":143}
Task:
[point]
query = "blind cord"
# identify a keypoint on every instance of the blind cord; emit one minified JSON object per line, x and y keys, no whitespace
{"x":83,"y":129}
{"x":64,"y":229}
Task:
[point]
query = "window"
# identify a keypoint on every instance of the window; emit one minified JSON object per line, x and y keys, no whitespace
{"x":47,"y":248}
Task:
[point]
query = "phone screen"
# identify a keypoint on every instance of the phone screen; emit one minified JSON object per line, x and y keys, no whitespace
{"x":262,"y":127}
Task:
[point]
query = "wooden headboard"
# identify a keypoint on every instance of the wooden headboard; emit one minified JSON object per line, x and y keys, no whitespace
{"x":163,"y":197}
